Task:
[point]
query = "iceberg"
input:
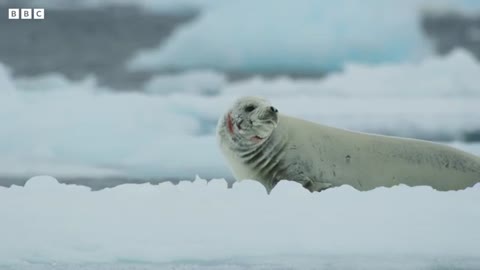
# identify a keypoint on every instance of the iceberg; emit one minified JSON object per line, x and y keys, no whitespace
{"x":304,"y":36}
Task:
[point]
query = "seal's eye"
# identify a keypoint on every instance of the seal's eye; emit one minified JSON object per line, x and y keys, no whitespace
{"x":249,"y":108}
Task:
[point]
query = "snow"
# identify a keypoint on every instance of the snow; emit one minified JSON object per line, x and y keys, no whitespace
{"x":450,"y":76}
{"x":304,"y":35}
{"x":50,"y":223}
{"x":68,"y":129}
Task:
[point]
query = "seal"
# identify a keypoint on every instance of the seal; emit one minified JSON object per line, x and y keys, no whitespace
{"x":261,"y":144}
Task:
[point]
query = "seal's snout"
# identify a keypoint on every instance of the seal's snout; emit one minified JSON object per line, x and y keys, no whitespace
{"x":273,"y":109}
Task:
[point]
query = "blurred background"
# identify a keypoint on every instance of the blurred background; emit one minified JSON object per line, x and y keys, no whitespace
{"x":101,"y":93}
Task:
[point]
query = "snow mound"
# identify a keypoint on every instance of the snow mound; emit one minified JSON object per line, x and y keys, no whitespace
{"x":47,"y":222}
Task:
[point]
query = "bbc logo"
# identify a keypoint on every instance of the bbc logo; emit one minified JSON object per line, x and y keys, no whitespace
{"x":26,"y":13}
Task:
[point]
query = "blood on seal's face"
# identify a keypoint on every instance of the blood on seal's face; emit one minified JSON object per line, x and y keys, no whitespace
{"x":251,"y":120}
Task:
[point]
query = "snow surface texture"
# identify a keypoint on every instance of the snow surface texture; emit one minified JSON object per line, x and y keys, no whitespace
{"x":48,"y":223}
{"x":297,"y":36}
{"x":77,"y":129}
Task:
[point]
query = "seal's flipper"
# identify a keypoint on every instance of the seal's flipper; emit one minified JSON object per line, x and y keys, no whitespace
{"x":315,"y":185}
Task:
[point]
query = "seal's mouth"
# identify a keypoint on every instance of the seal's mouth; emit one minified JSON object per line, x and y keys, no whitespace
{"x":256,"y":138}
{"x":230,"y":126}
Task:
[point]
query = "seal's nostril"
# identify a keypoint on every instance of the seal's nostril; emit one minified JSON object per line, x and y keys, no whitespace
{"x":273,"y":109}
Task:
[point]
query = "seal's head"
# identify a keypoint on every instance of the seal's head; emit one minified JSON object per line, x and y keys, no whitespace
{"x":250,"y":121}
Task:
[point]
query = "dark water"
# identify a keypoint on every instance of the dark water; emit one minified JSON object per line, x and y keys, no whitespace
{"x":85,"y":41}
{"x":288,"y":262}
{"x":453,"y":30}
{"x":99,"y":183}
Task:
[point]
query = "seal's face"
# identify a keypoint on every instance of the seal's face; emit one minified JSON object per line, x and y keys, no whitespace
{"x":251,"y":120}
